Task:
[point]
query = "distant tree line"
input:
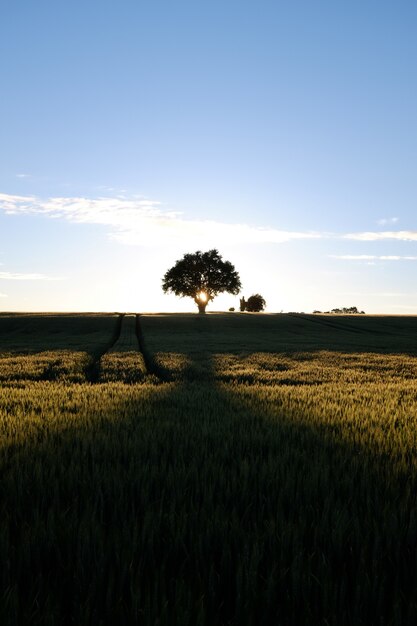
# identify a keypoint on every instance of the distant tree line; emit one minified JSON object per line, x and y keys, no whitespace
{"x":352,"y":310}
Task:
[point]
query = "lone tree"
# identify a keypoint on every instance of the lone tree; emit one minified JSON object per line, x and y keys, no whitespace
{"x":255,"y":303}
{"x":201,"y":276}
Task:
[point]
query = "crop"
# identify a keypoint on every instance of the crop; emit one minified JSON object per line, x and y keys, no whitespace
{"x":69,"y":365}
{"x":53,"y":347}
{"x":271,"y":480}
{"x":124,"y":361}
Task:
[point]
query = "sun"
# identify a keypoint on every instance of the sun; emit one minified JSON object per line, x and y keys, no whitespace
{"x":202,"y":296}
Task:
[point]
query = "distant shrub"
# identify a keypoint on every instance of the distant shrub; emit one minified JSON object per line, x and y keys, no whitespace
{"x":255,"y":303}
{"x":232,"y":308}
{"x":353,"y":310}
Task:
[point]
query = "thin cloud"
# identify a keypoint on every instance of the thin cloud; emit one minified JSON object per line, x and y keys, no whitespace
{"x":381,"y":294}
{"x":398,"y":235}
{"x":387,"y":220}
{"x":10,"y":203}
{"x":3,"y":295}
{"x":372,"y":257}
{"x":22,"y":276}
{"x":405,"y":307}
{"x":138,"y":221}
{"x":23,"y":175}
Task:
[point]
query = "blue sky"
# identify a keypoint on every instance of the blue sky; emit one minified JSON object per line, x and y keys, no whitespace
{"x":284,"y":134}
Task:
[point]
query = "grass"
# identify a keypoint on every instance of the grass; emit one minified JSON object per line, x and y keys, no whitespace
{"x":272,"y":479}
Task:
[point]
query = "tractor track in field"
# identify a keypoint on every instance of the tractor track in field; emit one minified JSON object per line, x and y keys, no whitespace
{"x":344,"y":327}
{"x":151,"y":366}
{"x":92,"y":371}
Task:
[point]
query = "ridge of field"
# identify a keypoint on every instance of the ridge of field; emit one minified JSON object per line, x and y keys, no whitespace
{"x":53,"y":347}
{"x":370,"y":324}
{"x":124,"y":362}
{"x":25,"y":334}
{"x":283,"y":332}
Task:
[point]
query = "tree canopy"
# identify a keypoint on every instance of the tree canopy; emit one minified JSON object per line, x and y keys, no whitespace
{"x":351,"y":310}
{"x":201,"y":276}
{"x":255,"y":303}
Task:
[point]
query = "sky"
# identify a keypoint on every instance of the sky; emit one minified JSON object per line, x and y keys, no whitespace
{"x":284,"y":134}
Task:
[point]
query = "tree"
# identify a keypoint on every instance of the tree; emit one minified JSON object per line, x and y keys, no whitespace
{"x":352,"y":310}
{"x":201,"y":276}
{"x":255,"y":303}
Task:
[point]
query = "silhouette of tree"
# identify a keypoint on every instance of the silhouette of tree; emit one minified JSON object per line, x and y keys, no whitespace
{"x":255,"y":303}
{"x":352,"y":310}
{"x":201,"y":276}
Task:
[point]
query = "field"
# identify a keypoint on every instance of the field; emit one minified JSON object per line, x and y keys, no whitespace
{"x":214,"y":470}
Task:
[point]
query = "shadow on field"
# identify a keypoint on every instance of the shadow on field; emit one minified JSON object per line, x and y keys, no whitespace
{"x":199,"y":503}
{"x":61,"y":348}
{"x":286,"y":333}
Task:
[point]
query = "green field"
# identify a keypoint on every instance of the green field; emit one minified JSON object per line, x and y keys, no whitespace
{"x":227,"y":469}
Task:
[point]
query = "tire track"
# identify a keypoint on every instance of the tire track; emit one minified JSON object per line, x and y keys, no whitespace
{"x":151,"y":366}
{"x":343,"y":327}
{"x":92,"y":371}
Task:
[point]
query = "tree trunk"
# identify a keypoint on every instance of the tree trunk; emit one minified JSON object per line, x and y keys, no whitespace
{"x":201,"y":307}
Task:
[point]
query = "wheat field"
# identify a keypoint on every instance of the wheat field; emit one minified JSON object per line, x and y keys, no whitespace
{"x":217,"y":470}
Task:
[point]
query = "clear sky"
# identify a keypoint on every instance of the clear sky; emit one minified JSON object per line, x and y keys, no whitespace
{"x":282,"y":133}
